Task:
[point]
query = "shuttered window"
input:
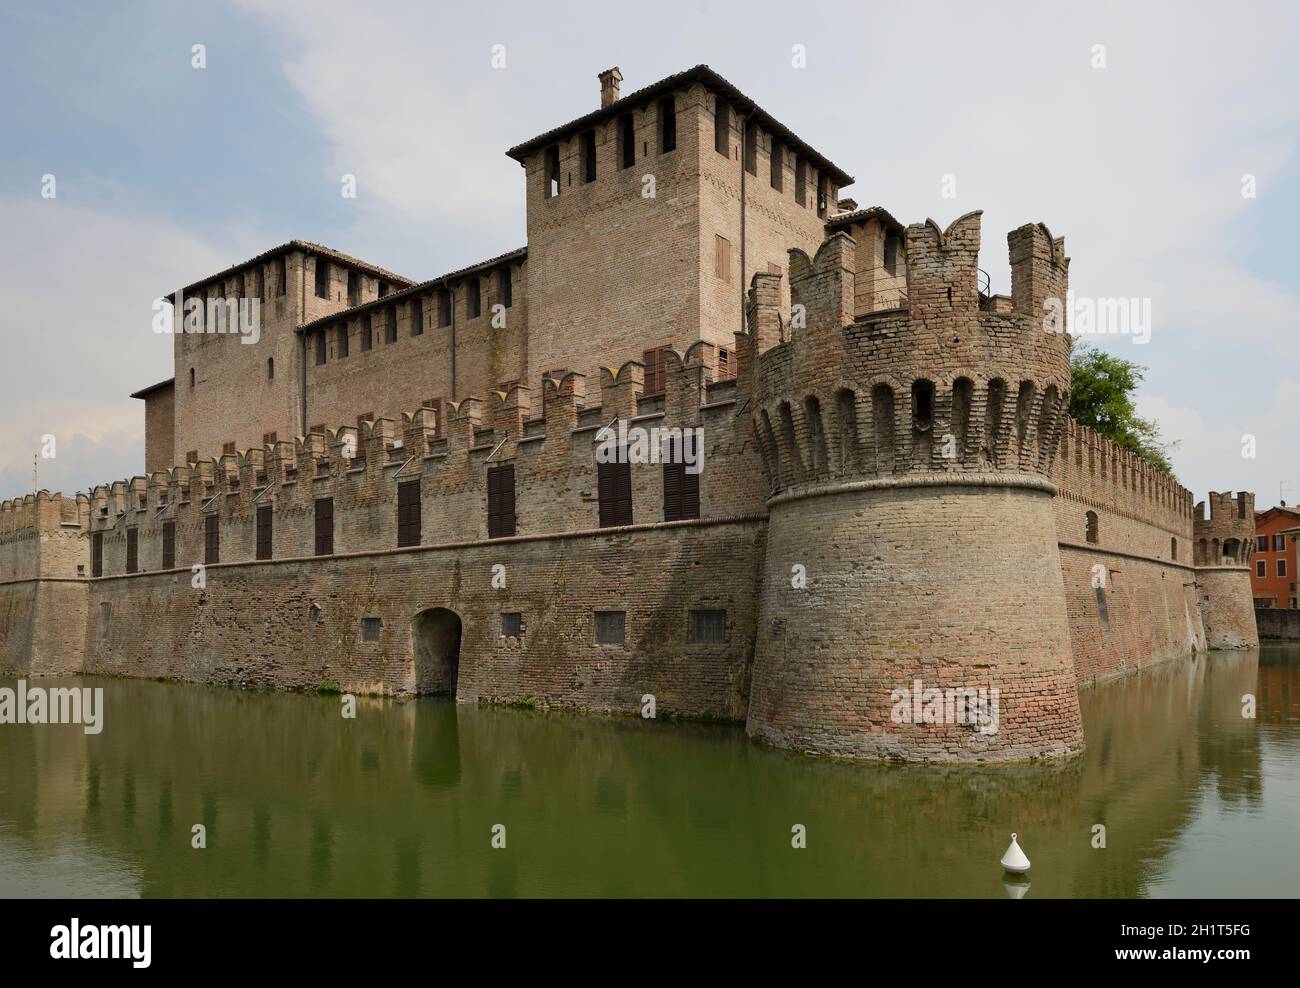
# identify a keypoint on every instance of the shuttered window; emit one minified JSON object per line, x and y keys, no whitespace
{"x":408,"y":513}
{"x":656,"y":370}
{"x":132,"y":550}
{"x":169,"y":545}
{"x":681,"y":487}
{"x":264,"y":532}
{"x":722,"y":258}
{"x":97,"y":554}
{"x":211,"y":539}
{"x":614,"y":488}
{"x":501,"y":501}
{"x":325,"y":526}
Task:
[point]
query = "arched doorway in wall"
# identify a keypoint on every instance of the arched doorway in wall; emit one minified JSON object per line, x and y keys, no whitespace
{"x":435,"y":642}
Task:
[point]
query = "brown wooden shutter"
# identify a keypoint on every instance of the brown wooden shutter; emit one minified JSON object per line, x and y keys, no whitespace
{"x":97,"y":554}
{"x":614,"y":490}
{"x":325,"y":526}
{"x":501,"y":501}
{"x":169,"y":545}
{"x":408,"y":513}
{"x":656,"y":370}
{"x":264,"y":531}
{"x":132,"y":550}
{"x":211,"y":539}
{"x":681,"y":488}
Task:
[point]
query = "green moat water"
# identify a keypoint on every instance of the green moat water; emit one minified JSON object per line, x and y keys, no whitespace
{"x":297,"y":801}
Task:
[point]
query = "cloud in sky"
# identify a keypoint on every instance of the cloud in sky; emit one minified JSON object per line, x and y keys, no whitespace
{"x":1138,"y":164}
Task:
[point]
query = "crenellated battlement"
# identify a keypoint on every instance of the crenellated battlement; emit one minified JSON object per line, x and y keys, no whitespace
{"x":1096,"y":471}
{"x":946,"y":385}
{"x":448,"y":451}
{"x":1227,"y":536}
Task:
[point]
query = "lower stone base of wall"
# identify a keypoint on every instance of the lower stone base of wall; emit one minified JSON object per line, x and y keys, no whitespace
{"x":1278,"y":624}
{"x":915,"y":589}
{"x":421,"y":620}
{"x":1127,"y":612}
{"x":1227,"y":606}
{"x":42,"y":627}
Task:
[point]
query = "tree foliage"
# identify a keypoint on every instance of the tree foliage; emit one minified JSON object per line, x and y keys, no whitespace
{"x":1101,"y":397}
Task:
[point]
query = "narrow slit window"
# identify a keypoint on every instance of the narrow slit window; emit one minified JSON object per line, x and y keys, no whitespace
{"x":551,"y":174}
{"x":473,"y":299}
{"x":417,"y":317}
{"x":588,"y":145}
{"x":627,"y":140}
{"x":322,"y":278}
{"x":667,"y":125}
{"x":505,"y":288}
{"x":721,"y":127}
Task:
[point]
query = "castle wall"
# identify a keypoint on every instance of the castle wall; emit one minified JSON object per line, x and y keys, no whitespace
{"x":244,"y":390}
{"x":651,"y":298}
{"x":951,"y":585}
{"x":1278,"y":623}
{"x":1128,"y":575}
{"x":391,"y":378}
{"x":775,"y":221}
{"x":159,"y":428}
{"x":251,"y":625}
{"x":1225,"y":542}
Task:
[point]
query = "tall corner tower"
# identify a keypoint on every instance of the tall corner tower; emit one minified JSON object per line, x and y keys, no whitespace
{"x":1224,"y":543}
{"x":912,"y":553}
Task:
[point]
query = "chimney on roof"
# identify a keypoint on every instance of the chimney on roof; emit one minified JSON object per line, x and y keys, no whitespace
{"x":609,"y":80}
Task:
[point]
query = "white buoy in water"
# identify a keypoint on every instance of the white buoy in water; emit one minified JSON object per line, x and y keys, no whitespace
{"x":1014,"y":860}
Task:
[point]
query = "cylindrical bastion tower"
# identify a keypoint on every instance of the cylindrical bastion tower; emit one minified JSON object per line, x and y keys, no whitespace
{"x":912,"y":605}
{"x":1224,"y":544}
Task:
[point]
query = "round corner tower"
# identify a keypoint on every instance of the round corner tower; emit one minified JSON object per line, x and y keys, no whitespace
{"x":912,"y":605}
{"x":1223,"y":546}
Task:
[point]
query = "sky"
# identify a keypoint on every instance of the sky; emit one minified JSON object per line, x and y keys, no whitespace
{"x":1162,"y":140}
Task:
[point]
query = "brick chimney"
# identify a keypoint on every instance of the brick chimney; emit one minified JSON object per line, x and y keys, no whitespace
{"x":609,"y":80}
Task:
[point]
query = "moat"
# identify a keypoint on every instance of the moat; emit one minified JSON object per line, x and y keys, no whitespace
{"x":402,"y":801}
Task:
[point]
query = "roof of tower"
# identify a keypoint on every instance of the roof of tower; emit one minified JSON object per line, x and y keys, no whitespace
{"x":146,"y":392}
{"x":518,"y":254}
{"x":702,"y":74}
{"x":861,"y":215}
{"x":308,"y":247}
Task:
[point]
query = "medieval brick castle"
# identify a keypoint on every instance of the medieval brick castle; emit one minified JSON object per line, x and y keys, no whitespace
{"x":396,"y":488}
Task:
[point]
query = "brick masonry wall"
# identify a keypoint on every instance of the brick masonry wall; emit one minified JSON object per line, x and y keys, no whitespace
{"x":1226,"y":606}
{"x":392,"y":378}
{"x":251,"y":625}
{"x":159,"y":434}
{"x":956,"y":586}
{"x":775,"y":222}
{"x":1277,"y":623}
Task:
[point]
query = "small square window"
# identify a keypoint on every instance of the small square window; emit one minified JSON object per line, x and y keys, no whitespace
{"x":512,"y":624}
{"x":708,"y":626}
{"x":370,"y":628}
{"x":611,"y":627}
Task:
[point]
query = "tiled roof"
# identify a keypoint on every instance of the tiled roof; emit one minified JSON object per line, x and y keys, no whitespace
{"x":705,"y":75}
{"x":859,"y":215}
{"x":145,"y":392}
{"x":303,"y":245}
{"x":518,"y":254}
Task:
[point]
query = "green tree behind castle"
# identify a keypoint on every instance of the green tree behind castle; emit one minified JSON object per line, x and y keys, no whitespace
{"x":1101,"y":397}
